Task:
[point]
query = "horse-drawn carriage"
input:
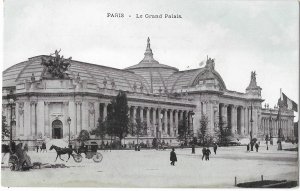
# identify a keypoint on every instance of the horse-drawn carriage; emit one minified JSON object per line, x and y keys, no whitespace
{"x":89,"y":148}
{"x":19,"y":160}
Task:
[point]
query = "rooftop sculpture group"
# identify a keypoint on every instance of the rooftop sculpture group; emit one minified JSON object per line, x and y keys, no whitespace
{"x":56,"y":66}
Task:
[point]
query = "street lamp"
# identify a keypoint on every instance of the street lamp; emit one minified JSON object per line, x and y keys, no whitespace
{"x":11,"y":100}
{"x":69,"y":122}
{"x":251,"y":131}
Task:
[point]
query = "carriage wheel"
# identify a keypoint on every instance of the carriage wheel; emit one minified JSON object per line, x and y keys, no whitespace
{"x":13,"y":162}
{"x":77,"y":158}
{"x":12,"y":166}
{"x":97,"y":157}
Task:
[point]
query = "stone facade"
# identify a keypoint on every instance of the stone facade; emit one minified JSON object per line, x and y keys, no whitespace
{"x":158,"y":94}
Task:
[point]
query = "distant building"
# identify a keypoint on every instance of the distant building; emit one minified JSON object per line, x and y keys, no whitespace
{"x":158,"y":94}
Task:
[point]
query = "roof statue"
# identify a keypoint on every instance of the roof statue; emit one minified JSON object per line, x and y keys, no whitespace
{"x":253,"y":76}
{"x":56,"y":66}
{"x":210,"y":63}
{"x":253,"y":84}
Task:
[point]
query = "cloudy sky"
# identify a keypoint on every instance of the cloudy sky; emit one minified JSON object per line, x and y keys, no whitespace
{"x":242,"y":36}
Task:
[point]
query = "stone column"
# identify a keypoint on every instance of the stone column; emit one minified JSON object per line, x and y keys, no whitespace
{"x":233,"y":120}
{"x":20,"y":118}
{"x":176,"y":123}
{"x":171,"y":123}
{"x":181,"y":115}
{"x":159,"y":120}
{"x":148,"y":120}
{"x":134,"y":114}
{"x":104,"y":110}
{"x":46,"y":125}
{"x":166,"y":121}
{"x":40,"y":118}
{"x":242,"y":121}
{"x":78,"y":117}
{"x":154,"y":121}
{"x":97,"y":113}
{"x":190,"y":127}
{"x":84,"y":115}
{"x":205,"y":104}
{"x":254,"y":113}
{"x":224,"y":114}
{"x":246,"y":123}
{"x":142,"y":114}
{"x":65,"y":118}
{"x":17,"y":127}
{"x":27,"y":120}
{"x":33,"y":118}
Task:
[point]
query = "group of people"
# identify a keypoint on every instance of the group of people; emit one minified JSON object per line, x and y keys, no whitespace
{"x":42,"y":147}
{"x":205,"y":154}
{"x":252,"y":144}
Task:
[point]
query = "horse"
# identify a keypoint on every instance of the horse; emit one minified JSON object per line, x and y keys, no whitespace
{"x":62,"y":151}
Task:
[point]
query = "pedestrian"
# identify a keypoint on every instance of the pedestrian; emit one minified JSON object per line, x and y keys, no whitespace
{"x":43,"y":148}
{"x":248,"y":148}
{"x":252,"y":144}
{"x":256,"y":147}
{"x":203,"y":152}
{"x":193,"y":149}
{"x":26,"y":147}
{"x":37,"y":148}
{"x":215,"y":148}
{"x":173,"y":157}
{"x":207,"y":153}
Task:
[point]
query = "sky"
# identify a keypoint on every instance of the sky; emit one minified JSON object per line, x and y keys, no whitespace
{"x":242,"y":36}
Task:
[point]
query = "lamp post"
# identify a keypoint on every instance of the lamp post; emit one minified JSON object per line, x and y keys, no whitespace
{"x":11,"y":101}
{"x":69,"y":122}
{"x":251,"y":131}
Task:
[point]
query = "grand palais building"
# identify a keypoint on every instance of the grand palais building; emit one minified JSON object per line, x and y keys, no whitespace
{"x":158,"y":94}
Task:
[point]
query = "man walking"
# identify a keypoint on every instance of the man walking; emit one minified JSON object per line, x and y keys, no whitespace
{"x":203,"y":152}
{"x":215,"y":148}
{"x":256,"y":147}
{"x":207,"y":153}
{"x":173,"y":157}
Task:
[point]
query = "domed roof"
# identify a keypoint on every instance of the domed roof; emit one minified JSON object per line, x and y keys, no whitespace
{"x":149,"y":62}
{"x":151,"y":70}
{"x":124,"y":80}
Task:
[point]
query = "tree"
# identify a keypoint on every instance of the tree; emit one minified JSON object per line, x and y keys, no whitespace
{"x":140,"y":129}
{"x":224,"y":134}
{"x":83,"y":136}
{"x":117,"y":119}
{"x":5,"y":128}
{"x":183,"y":130}
{"x":101,"y":129}
{"x":202,"y":132}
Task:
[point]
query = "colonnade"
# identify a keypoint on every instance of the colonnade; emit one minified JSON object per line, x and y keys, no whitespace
{"x":237,"y":118}
{"x":271,"y":126}
{"x":160,"y":122}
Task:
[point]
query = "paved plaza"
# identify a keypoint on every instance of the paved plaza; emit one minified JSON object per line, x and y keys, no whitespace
{"x":151,"y":168}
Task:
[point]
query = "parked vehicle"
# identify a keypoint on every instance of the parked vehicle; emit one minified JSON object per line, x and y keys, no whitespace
{"x":89,"y":148}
